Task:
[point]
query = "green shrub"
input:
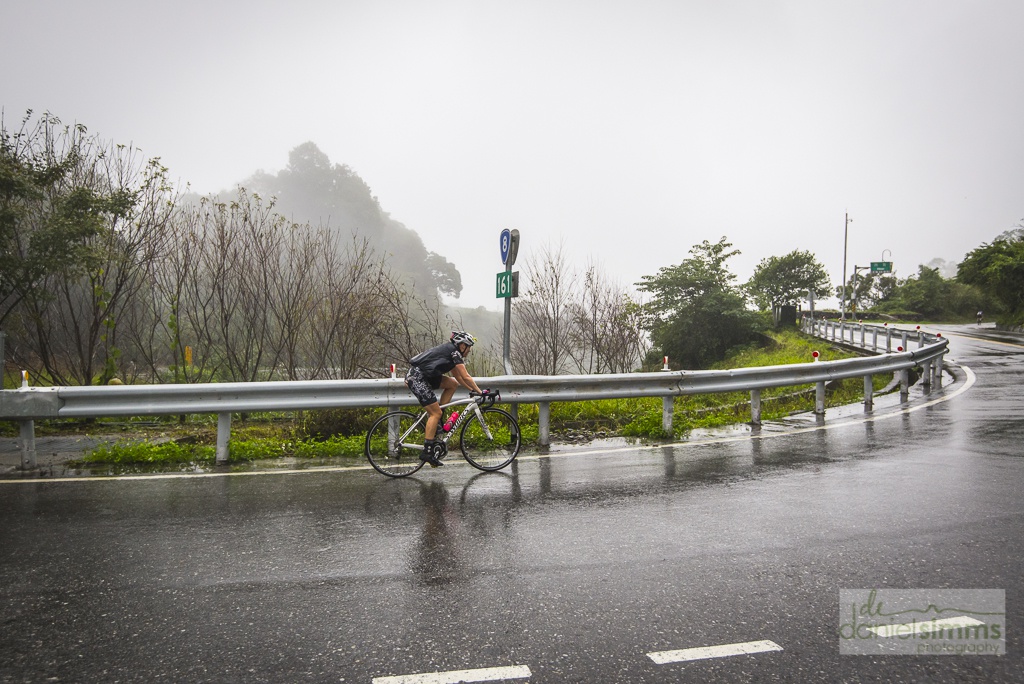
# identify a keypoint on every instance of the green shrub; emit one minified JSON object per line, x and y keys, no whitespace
{"x":148,"y":452}
{"x":325,"y":423}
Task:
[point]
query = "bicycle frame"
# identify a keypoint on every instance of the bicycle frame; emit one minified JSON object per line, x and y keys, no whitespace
{"x":474,"y":410}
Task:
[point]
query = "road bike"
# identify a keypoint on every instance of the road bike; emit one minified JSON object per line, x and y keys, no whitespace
{"x":489,"y":437}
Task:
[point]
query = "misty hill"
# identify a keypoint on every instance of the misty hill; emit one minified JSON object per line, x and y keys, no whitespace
{"x":311,"y":189}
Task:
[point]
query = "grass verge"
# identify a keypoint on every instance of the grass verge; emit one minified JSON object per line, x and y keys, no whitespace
{"x":312,"y":436}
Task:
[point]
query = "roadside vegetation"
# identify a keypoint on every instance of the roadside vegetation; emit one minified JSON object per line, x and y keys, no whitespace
{"x":320,"y":436}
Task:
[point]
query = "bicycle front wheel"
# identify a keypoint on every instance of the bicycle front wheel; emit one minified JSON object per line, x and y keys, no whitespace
{"x":493,"y":443}
{"x":393,"y":447}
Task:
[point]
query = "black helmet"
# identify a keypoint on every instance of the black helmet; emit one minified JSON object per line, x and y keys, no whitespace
{"x":462,"y":337}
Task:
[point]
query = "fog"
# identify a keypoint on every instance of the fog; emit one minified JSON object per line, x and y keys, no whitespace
{"x":627,"y":131}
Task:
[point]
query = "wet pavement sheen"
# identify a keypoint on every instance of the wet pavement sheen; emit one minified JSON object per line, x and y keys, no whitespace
{"x":574,"y":565}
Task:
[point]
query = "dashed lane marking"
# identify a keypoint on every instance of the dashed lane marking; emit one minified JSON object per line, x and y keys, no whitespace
{"x":924,"y":627}
{"x":487,"y":674}
{"x":705,"y":652}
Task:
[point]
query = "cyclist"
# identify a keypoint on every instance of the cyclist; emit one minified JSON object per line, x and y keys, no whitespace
{"x":427,"y":373}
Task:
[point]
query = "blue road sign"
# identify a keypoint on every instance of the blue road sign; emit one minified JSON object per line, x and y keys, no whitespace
{"x":506,"y":244}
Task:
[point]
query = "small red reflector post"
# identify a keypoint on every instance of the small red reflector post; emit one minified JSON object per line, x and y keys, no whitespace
{"x":815,"y":355}
{"x":900,"y":348}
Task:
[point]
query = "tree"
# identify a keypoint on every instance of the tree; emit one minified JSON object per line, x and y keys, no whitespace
{"x":867,"y":290}
{"x":46,"y":219}
{"x":313,"y":190}
{"x":927,"y":294}
{"x":697,"y":313}
{"x":104,"y":270}
{"x":786,"y":280}
{"x":998,"y":270}
{"x":544,"y":315}
{"x":78,"y":231}
{"x":607,"y":333}
{"x":572,"y":322}
{"x":446,"y":276}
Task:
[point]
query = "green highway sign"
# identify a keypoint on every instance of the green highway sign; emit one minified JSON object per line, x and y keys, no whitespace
{"x":881,"y":267}
{"x":507,"y":284}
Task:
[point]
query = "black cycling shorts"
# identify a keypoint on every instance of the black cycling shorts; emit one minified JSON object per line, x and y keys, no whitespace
{"x":422,"y":387}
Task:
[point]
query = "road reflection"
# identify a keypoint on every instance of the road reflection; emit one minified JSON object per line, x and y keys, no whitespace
{"x":437,"y":557}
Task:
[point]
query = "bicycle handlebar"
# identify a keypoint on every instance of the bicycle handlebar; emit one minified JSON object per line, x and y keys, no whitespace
{"x":487,"y":398}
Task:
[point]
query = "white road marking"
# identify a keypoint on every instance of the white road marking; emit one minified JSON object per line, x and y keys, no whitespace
{"x":487,"y":674}
{"x":924,"y":627}
{"x":704,"y":652}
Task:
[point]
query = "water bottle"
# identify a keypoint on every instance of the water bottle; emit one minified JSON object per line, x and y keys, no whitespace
{"x":451,"y":421}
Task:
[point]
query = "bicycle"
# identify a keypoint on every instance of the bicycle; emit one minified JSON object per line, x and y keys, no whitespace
{"x":489,"y":437}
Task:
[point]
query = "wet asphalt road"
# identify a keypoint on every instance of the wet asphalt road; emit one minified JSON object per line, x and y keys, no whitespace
{"x":569,"y":568}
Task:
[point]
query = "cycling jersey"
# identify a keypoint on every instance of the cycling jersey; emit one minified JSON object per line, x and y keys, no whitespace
{"x":438,"y":360}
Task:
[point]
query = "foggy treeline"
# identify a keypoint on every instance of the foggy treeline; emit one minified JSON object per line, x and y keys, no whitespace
{"x":109,"y":272}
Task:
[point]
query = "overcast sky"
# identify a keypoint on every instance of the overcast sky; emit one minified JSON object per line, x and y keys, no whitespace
{"x":629,"y":130}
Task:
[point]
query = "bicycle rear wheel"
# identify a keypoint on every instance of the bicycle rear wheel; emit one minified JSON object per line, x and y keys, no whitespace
{"x":386,"y":453}
{"x":494,"y":445}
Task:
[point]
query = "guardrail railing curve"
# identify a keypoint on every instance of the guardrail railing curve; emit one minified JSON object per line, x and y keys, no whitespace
{"x":29,"y":404}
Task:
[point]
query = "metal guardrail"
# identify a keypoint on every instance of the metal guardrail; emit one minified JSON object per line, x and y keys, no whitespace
{"x":28,"y":404}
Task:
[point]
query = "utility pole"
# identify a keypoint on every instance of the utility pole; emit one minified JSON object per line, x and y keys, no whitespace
{"x":846,"y":234}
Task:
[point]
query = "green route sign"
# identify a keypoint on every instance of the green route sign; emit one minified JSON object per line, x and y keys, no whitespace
{"x":881,"y":267}
{"x":507,"y":284}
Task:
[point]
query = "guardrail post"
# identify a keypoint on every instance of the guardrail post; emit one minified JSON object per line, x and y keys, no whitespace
{"x":938,"y":369}
{"x":223,"y":435}
{"x":904,"y":384}
{"x":667,"y":407}
{"x":819,"y":398}
{"x":27,"y":431}
{"x":926,"y":374}
{"x":869,"y":393}
{"x":874,"y":339}
{"x":903,"y":341}
{"x":888,"y":340}
{"x":755,"y":406}
{"x":862,"y":332}
{"x":544,"y":422}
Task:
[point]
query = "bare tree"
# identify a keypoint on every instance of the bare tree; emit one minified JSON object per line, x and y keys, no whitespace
{"x":607,"y":334}
{"x":293,"y":296}
{"x":544,"y":316}
{"x":572,"y":323}
{"x":241,"y":260}
{"x":363,"y":300}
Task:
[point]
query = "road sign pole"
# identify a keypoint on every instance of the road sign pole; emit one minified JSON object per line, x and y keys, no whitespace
{"x":509,"y":243}
{"x":846,"y":238}
{"x":507,"y":343}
